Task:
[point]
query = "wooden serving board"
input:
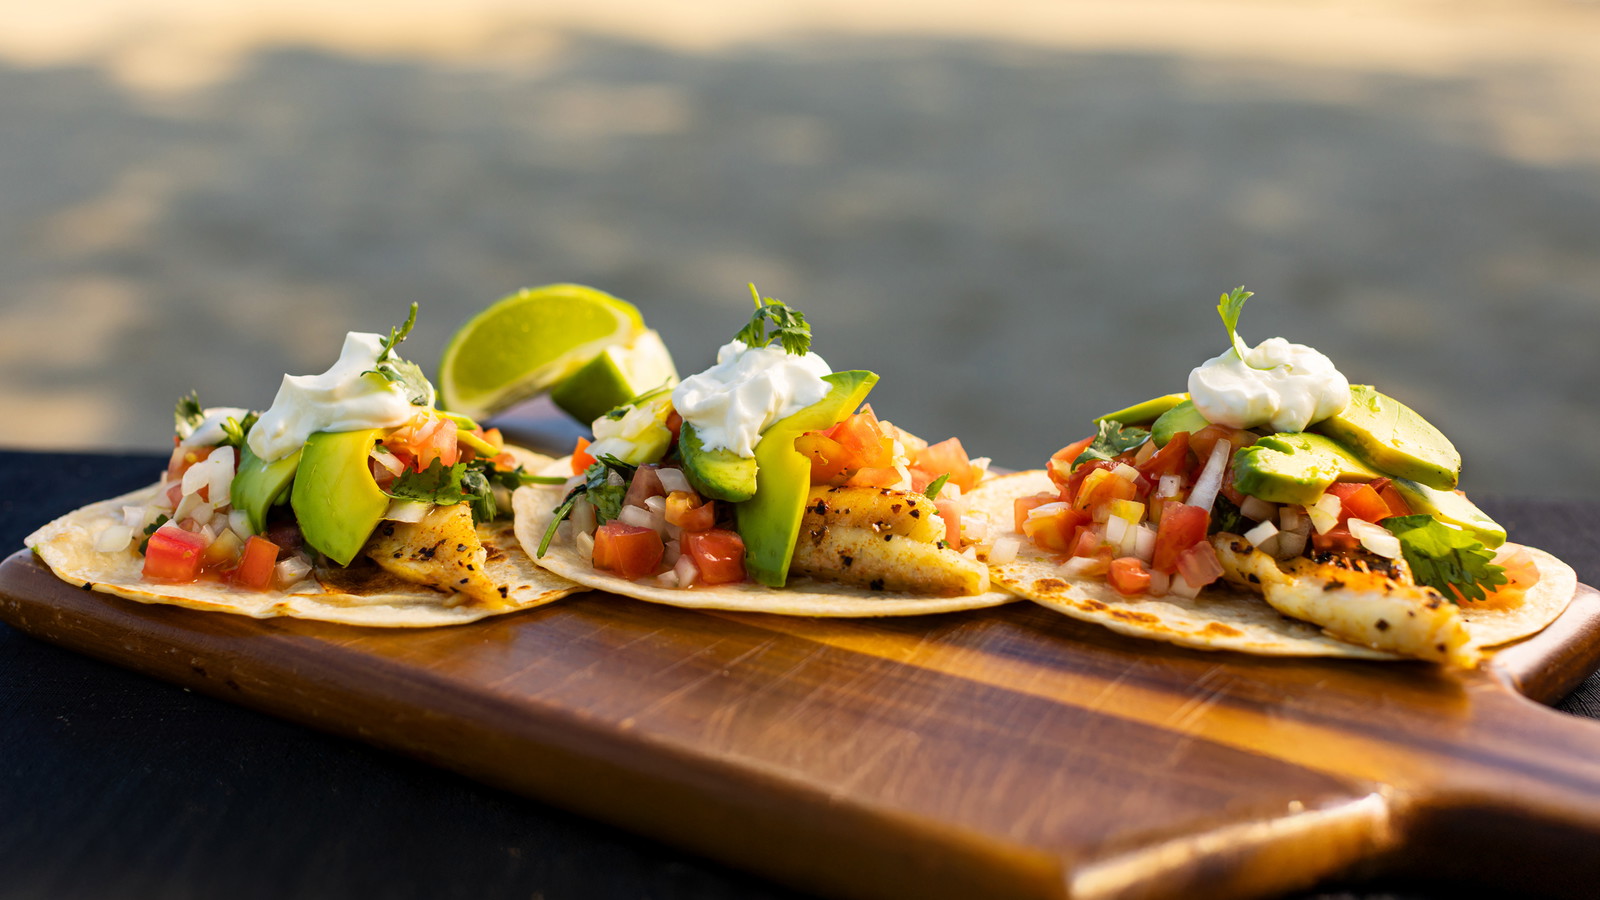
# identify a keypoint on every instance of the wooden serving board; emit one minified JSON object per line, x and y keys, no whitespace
{"x":999,"y":753}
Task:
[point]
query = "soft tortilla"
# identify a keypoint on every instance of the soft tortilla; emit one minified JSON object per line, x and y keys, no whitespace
{"x":535,"y":504}
{"x":362,"y":596}
{"x":1228,"y":618}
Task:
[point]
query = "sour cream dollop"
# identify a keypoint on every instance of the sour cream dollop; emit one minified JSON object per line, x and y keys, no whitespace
{"x":749,"y":388}
{"x":1278,"y":384}
{"x":340,"y":399}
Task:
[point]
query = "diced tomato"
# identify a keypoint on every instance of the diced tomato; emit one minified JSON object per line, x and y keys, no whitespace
{"x":581,"y":460}
{"x":687,"y":512}
{"x":827,"y":457}
{"x":1360,"y":501}
{"x":950,"y":510}
{"x":173,"y":555}
{"x":1129,"y":576}
{"x":256,"y":564}
{"x":1173,"y":459}
{"x":1181,"y":527}
{"x":873,"y":476}
{"x":627,"y":550}
{"x":1023,"y":505}
{"x":864,"y":443}
{"x":1391,"y":497}
{"x":1086,"y":542}
{"x":426,"y":438}
{"x":1103,"y":486}
{"x":1199,"y":564}
{"x":645,"y":484}
{"x":1060,"y":465}
{"x":174,"y":494}
{"x":948,"y":458}
{"x":1203,"y":441}
{"x":718,"y":554}
{"x":1337,"y":538}
{"x":1055,"y":531}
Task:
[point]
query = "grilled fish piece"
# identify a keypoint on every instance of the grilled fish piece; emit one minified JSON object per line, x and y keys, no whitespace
{"x":442,"y":551}
{"x":882,"y":539}
{"x":1379,"y":608}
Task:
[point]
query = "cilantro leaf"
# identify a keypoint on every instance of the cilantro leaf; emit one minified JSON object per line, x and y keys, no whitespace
{"x":1442,"y":557}
{"x":476,"y":483}
{"x":1113,"y":440}
{"x":597,"y":489}
{"x":790,"y":326}
{"x":1225,"y":516}
{"x":144,"y":545}
{"x":935,"y":486}
{"x":397,"y":335}
{"x":1230,"y":306}
{"x":235,"y":432}
{"x":439,"y":484}
{"x":188,"y":415}
{"x":393,"y":369}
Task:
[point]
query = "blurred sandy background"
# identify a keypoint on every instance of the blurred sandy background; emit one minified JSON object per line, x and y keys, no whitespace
{"x":1019,"y":213}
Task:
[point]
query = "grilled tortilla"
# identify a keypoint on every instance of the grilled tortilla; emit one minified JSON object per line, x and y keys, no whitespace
{"x":1299,"y":609}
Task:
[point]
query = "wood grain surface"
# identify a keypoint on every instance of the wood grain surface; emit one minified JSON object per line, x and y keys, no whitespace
{"x":999,"y":753}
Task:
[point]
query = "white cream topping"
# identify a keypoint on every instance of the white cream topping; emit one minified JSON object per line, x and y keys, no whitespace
{"x":1277,"y":384}
{"x":209,"y":431}
{"x":732,"y":402}
{"x":340,"y":399}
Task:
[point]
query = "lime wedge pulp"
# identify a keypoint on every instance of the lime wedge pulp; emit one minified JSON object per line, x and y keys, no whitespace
{"x":529,"y":341}
{"x":620,"y":373}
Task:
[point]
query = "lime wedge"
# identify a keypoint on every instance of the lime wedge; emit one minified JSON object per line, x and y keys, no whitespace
{"x":620,"y":373}
{"x":527,"y":342}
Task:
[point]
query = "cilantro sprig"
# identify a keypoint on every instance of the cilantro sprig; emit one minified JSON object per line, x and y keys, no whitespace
{"x":1442,"y":557}
{"x":1113,"y":440}
{"x":597,"y":489}
{"x":188,"y":415}
{"x":789,"y":326}
{"x":1229,"y":308}
{"x":393,"y":369}
{"x":935,"y":486}
{"x":473,"y":483}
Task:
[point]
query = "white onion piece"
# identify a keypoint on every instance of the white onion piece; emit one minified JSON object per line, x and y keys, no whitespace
{"x":220,"y":476}
{"x":1004,"y":551}
{"x":656,"y":505}
{"x":582,"y":516}
{"x":1291,"y":543}
{"x":584,"y":543}
{"x":638,"y":517}
{"x":670,"y":551}
{"x":1375,"y":538}
{"x":1080,"y":565}
{"x":667,"y":579}
{"x":673,"y":480}
{"x":686,"y":571}
{"x":1260,"y":533}
{"x":202,"y":512}
{"x":1125,"y":472}
{"x":113,"y":539}
{"x":1291,"y":519}
{"x":1181,"y":587}
{"x":975,"y":527}
{"x":1209,"y":483}
{"x":1169,"y":486}
{"x":1144,"y":545}
{"x":387,"y":460}
{"x":1160,"y":583}
{"x":1116,"y":527}
{"x":407,"y":510}
{"x":194,"y":478}
{"x":1257,"y":509}
{"x":291,"y":570}
{"x":1324,"y":514}
{"x":1046,"y":509}
{"x":186,"y":506}
{"x":134,"y":516}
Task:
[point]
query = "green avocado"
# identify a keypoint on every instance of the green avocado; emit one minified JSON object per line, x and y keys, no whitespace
{"x":1388,"y":436}
{"x":258,"y":485}
{"x":1452,"y":508}
{"x":335,"y":499}
{"x":1181,"y":417}
{"x":720,"y":474}
{"x":1148,"y":411}
{"x":1295,"y":467}
{"x":769,"y":521}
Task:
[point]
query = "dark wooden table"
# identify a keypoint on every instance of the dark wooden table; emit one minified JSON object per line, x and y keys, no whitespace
{"x":114,"y":784}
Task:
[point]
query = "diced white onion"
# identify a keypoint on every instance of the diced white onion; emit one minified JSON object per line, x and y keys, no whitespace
{"x":1125,"y":472}
{"x":187,"y":505}
{"x":1290,"y":519}
{"x":1257,"y":509}
{"x":407,"y":510}
{"x":194,"y":478}
{"x":291,"y":570}
{"x":582,"y":516}
{"x":1260,"y":533}
{"x":1116,"y":527}
{"x":1291,"y":543}
{"x":656,"y":505}
{"x":636,"y":516}
{"x":614,"y":479}
{"x":1210,"y":480}
{"x":975,"y":527}
{"x":1375,"y":538}
{"x":970,"y":553}
{"x":584,"y":544}
{"x":686,"y":571}
{"x":387,"y":460}
{"x":1160,"y":583}
{"x":1324,"y":514}
{"x":670,"y":552}
{"x":1046,"y":509}
{"x":673,"y":480}
{"x":202,"y":513}
{"x":1169,"y":486}
{"x":1004,"y":551}
{"x":1145,"y":543}
{"x":950,"y":491}
{"x":113,"y":539}
{"x":667,"y":579}
{"x":1080,"y":565}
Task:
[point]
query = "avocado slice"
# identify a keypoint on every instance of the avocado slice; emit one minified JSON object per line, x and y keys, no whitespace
{"x":1295,"y":467}
{"x":257,"y":485}
{"x":720,"y":474}
{"x":1390,"y":437}
{"x":1452,"y":508}
{"x":1181,"y":417}
{"x":1148,"y":411}
{"x":335,"y":499}
{"x":769,"y":521}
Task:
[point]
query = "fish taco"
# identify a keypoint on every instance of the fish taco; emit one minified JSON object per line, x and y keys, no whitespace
{"x":1274,"y":509}
{"x":352,"y":499}
{"x":757,"y":485}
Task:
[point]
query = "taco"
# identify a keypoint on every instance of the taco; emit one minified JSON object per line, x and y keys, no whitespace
{"x":1273,"y":509}
{"x":352,"y":499}
{"x":756,"y":485}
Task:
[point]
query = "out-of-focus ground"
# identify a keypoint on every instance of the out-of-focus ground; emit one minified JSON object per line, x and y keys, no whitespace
{"x":1020,"y":214}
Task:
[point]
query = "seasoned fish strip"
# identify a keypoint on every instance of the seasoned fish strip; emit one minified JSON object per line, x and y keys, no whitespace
{"x":881,"y":510}
{"x":886,"y":562}
{"x":1358,"y":605}
{"x":442,"y":550}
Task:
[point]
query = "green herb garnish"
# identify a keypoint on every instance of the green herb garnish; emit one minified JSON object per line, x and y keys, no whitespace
{"x":937,"y":485}
{"x":1113,"y":440}
{"x":235,"y":432}
{"x":150,"y":529}
{"x":790,"y":328}
{"x":188,"y":415}
{"x":1442,"y":557}
{"x":1230,"y":306}
{"x":1225,"y":516}
{"x":597,"y":489}
{"x":473,"y":483}
{"x":393,"y":369}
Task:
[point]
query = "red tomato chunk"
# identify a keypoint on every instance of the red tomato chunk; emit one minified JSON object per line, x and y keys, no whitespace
{"x":256,"y":564}
{"x":627,"y":550}
{"x":718,"y":554}
{"x":173,"y":555}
